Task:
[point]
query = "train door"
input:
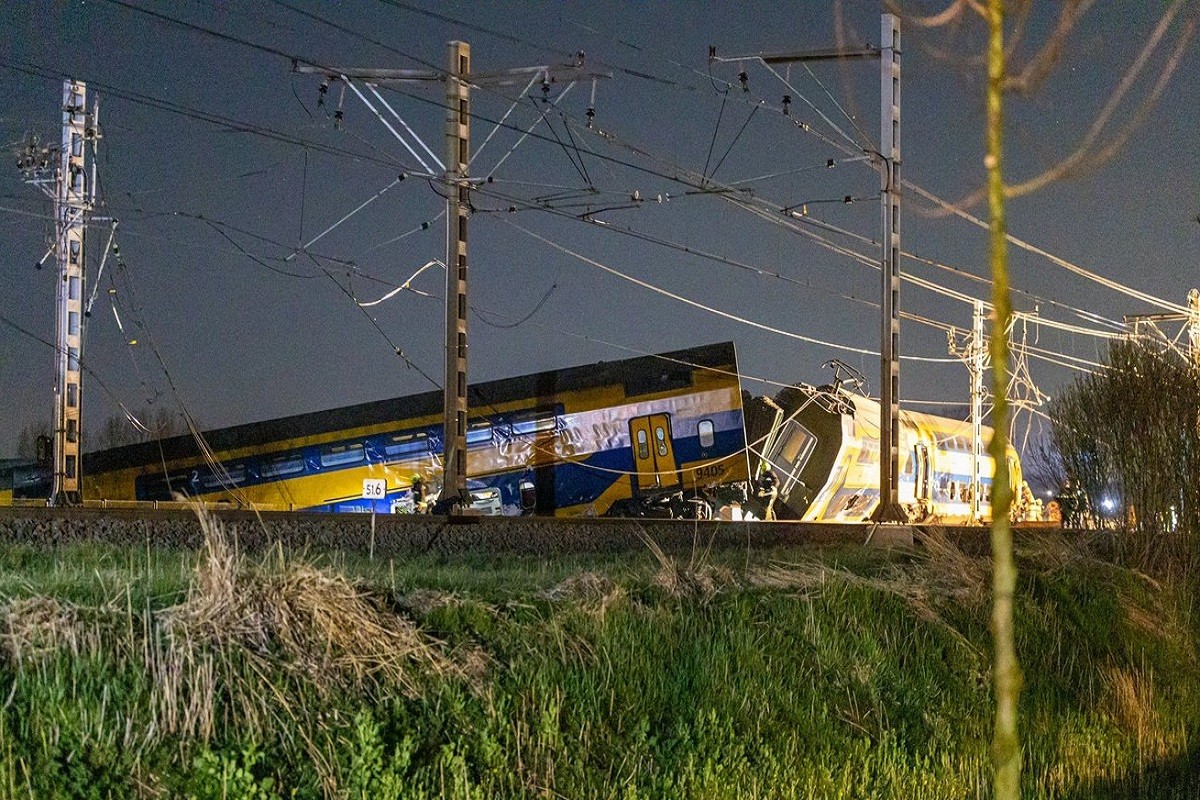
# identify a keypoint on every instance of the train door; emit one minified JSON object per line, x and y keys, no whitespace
{"x":653,"y":453}
{"x":921,"y":485}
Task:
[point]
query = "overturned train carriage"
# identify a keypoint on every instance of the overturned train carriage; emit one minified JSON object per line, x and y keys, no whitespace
{"x":825,"y":451}
{"x":567,"y":442}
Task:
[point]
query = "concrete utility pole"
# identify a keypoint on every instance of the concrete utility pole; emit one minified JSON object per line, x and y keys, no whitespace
{"x":458,"y":80}
{"x":979,"y":365}
{"x":458,"y":157}
{"x":889,"y":509}
{"x":888,"y":160}
{"x":73,"y":180}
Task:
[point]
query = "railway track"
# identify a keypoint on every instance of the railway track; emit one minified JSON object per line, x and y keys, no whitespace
{"x":387,"y":535}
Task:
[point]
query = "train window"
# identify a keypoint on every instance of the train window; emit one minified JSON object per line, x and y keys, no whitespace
{"x":797,"y":445}
{"x":660,"y":436}
{"x":479,"y":433}
{"x":707,"y":433}
{"x":287,"y":465}
{"x":233,"y":476}
{"x":406,"y":444}
{"x":643,"y":445}
{"x":533,"y":423}
{"x":159,"y":487}
{"x":341,"y":455}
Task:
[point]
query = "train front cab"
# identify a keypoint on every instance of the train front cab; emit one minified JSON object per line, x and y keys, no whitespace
{"x":805,"y":452}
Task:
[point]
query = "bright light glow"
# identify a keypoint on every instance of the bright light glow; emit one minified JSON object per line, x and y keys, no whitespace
{"x":1108,"y":504}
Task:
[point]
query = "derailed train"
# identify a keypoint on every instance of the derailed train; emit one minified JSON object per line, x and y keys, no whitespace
{"x":666,"y":435}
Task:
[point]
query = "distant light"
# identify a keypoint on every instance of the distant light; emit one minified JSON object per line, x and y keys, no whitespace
{"x":1108,"y":504}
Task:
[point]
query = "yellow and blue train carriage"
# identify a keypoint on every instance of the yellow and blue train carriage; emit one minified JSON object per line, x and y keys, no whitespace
{"x":825,"y":455}
{"x":565,"y":442}
{"x":23,"y":479}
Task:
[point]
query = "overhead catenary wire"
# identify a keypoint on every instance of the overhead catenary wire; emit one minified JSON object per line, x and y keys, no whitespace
{"x":84,"y":365}
{"x":869,"y":261}
{"x":1015,"y":240}
{"x":1064,"y":263}
{"x":961,"y":296}
{"x":702,"y":306}
{"x":1108,"y":283}
{"x":360,"y":207}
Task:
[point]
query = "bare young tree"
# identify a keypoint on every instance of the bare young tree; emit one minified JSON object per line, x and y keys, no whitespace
{"x":1098,"y":145}
{"x":1129,"y":437}
{"x":28,"y":437}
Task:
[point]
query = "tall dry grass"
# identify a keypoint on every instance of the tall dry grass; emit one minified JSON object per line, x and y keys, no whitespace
{"x":257,"y":646}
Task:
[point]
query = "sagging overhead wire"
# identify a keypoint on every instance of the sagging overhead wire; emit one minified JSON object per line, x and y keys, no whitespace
{"x":85,"y":366}
{"x":766,"y":273}
{"x":375,"y":324}
{"x":277,"y":52}
{"x":1050,"y":356}
{"x":695,"y":304}
{"x":407,"y":285}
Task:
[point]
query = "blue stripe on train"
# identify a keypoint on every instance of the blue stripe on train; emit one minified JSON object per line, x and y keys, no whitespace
{"x":575,"y":483}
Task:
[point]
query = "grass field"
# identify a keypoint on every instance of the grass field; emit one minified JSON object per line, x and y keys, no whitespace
{"x":844,"y":674}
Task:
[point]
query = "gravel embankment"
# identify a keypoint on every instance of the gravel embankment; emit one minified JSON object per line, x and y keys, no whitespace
{"x":389,"y":536}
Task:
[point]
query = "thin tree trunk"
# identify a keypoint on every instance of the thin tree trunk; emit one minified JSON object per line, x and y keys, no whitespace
{"x":1006,"y":745}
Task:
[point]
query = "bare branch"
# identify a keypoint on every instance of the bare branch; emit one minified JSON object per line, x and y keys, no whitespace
{"x":950,"y":13}
{"x":1040,"y":66}
{"x":1084,"y":157}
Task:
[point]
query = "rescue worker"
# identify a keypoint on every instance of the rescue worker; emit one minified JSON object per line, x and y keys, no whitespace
{"x":1025,"y":507}
{"x":767,"y":490}
{"x":1066,"y":503}
{"x":419,"y":496}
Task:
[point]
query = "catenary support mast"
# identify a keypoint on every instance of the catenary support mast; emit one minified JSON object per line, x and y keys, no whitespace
{"x":72,"y":206}
{"x":458,"y":157}
{"x":978,"y":365}
{"x":71,"y":183}
{"x":889,"y":509}
{"x":458,"y":79}
{"x":888,"y":162}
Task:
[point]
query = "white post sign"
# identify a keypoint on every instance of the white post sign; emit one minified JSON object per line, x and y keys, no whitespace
{"x":374,"y":488}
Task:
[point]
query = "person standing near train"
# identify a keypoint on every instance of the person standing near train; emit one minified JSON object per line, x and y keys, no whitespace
{"x":767,"y":491}
{"x":419,"y":496}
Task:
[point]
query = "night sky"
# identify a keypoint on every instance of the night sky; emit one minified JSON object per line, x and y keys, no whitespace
{"x":219,"y":164}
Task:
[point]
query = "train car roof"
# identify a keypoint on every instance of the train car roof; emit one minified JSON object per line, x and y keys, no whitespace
{"x":639,"y":375}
